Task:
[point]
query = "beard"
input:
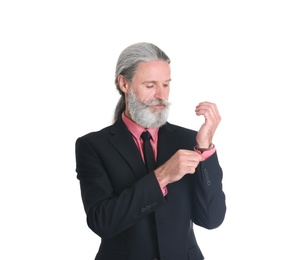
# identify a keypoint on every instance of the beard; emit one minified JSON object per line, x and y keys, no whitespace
{"x":143,"y":114}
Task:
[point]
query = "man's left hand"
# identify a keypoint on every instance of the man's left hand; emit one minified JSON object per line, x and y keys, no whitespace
{"x":212,"y":119}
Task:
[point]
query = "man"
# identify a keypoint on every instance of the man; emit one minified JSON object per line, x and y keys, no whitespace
{"x":144,"y":213}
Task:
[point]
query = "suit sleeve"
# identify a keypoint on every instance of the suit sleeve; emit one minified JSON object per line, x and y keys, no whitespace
{"x":209,"y":205}
{"x":109,"y":214}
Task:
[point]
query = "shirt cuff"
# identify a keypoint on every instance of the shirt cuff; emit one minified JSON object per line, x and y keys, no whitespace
{"x":207,"y":154}
{"x":164,"y":190}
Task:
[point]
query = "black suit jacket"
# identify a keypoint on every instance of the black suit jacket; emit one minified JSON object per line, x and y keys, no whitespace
{"x":125,"y":205}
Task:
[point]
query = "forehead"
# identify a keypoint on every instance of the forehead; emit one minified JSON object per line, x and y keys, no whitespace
{"x":157,"y":70}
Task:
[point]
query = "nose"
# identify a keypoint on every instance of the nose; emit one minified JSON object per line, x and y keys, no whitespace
{"x":161,"y":92}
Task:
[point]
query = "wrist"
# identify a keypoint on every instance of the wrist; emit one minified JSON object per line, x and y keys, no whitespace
{"x":161,"y":177}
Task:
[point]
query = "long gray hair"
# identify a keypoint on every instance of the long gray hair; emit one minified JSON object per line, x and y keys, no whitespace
{"x":127,"y":64}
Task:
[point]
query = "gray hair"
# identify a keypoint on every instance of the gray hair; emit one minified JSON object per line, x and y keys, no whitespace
{"x":128,"y":62}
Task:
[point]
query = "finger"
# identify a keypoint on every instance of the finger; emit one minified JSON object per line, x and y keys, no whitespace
{"x":204,"y":106}
{"x":191,"y":167}
{"x":194,"y":163}
{"x":208,"y":110}
{"x":191,"y":170}
{"x":195,"y":157}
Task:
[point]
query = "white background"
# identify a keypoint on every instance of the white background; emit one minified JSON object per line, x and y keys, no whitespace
{"x":57,"y":63}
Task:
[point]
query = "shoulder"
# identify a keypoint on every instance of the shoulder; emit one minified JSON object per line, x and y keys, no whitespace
{"x":104,"y":134}
{"x":95,"y":134}
{"x":93,"y":139}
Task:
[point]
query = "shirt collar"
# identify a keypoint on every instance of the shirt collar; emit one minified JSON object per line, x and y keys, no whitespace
{"x":137,"y":130}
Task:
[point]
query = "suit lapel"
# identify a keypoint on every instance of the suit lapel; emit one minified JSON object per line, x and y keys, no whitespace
{"x":123,"y":141}
{"x":167,"y":143}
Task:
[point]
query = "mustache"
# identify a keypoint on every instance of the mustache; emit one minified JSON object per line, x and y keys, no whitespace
{"x":156,"y":102}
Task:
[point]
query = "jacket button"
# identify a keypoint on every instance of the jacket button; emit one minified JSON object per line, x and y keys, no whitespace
{"x":207,"y":177}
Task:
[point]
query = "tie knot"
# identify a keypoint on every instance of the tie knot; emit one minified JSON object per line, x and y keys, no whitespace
{"x":146,"y":136}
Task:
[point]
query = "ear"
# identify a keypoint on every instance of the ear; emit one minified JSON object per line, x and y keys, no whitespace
{"x":123,"y":84}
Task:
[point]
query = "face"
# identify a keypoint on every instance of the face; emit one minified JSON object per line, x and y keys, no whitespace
{"x":147,"y":95}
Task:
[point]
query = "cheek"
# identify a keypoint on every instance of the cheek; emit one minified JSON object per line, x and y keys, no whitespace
{"x":148,"y":98}
{"x":147,"y":95}
{"x":167,"y":92}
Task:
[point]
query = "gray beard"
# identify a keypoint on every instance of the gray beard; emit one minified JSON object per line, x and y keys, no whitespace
{"x":143,"y":115}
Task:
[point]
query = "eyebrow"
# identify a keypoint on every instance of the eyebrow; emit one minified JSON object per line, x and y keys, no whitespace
{"x":154,"y":81}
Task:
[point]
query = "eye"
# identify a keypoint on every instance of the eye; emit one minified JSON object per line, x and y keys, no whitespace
{"x":150,"y":85}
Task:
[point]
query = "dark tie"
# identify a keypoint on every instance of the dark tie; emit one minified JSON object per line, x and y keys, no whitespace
{"x":148,"y":152}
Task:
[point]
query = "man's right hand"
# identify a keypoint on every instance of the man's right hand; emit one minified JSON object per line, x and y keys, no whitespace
{"x":181,"y":163}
